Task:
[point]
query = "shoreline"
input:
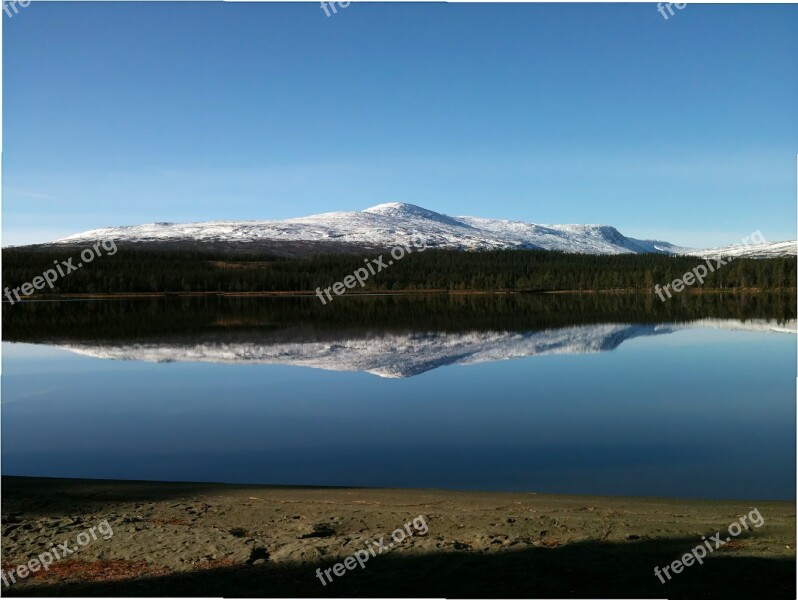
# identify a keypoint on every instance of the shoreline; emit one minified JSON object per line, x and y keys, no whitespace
{"x":71,"y":482}
{"x":262,"y":540}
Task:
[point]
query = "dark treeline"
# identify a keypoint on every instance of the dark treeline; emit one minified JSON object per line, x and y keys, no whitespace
{"x":133,"y":270}
{"x":290,"y":319}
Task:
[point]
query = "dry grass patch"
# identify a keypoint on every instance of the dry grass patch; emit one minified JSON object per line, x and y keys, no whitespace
{"x":99,"y":570}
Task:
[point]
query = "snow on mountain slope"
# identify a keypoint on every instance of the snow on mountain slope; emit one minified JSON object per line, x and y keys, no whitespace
{"x":391,"y":356}
{"x":409,"y":354}
{"x":766,"y":250}
{"x":759,"y":325}
{"x":388,"y":225}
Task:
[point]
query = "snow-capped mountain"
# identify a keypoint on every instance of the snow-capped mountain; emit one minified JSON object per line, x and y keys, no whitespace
{"x":388,"y":225}
{"x":409,"y":354}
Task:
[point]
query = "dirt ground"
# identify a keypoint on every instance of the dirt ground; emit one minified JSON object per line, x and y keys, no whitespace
{"x":230,"y":540}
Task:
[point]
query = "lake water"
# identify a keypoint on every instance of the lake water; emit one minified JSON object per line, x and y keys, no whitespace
{"x":557,"y":395}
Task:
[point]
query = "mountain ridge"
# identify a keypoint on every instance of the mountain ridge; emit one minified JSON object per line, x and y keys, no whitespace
{"x":397,"y":223}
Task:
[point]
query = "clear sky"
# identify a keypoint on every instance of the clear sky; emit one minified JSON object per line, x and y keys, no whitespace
{"x":683,"y":129}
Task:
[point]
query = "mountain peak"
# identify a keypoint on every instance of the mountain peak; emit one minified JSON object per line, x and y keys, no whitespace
{"x":397,"y":208}
{"x":405,"y":210}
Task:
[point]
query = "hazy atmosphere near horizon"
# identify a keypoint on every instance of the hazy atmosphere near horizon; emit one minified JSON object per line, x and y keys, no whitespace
{"x":364,"y":299}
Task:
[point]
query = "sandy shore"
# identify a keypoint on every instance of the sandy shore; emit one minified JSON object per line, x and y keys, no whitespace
{"x":214,"y":540}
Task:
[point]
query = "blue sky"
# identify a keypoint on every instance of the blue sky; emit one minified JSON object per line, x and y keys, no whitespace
{"x":123,"y":113}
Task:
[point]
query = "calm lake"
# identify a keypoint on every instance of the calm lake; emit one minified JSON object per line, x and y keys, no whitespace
{"x":558,"y":394}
